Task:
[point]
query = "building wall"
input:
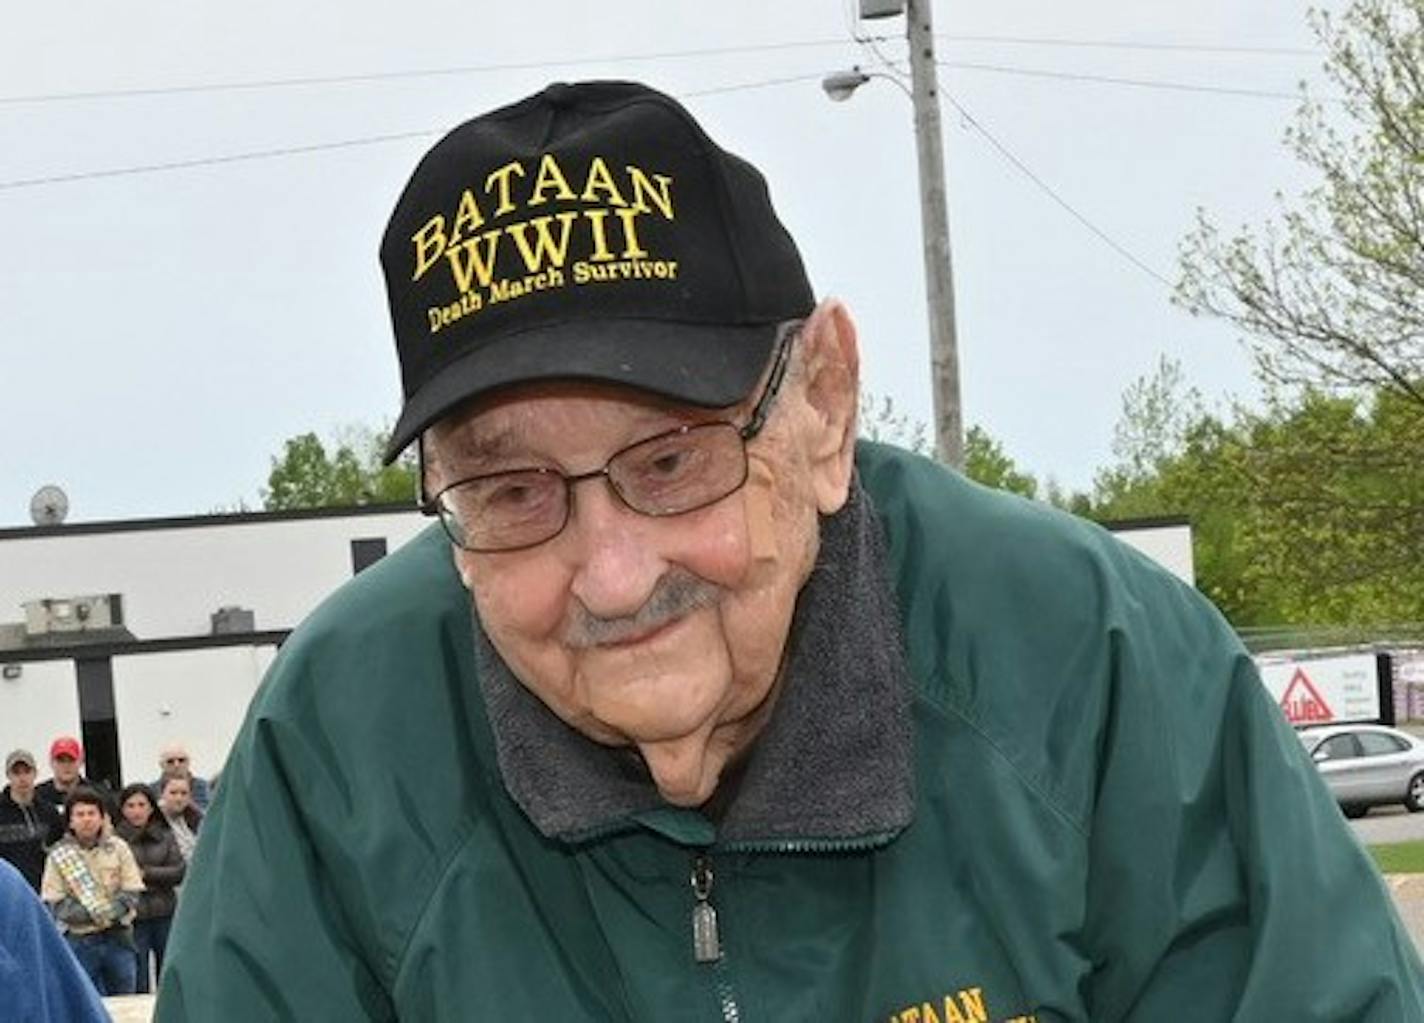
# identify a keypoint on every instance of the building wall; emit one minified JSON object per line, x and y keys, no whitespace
{"x":173,"y":579}
{"x":196,"y":697}
{"x":1169,"y":545}
{"x":38,"y":705}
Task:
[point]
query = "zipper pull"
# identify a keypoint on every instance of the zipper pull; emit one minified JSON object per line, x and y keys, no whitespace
{"x":706,"y":946}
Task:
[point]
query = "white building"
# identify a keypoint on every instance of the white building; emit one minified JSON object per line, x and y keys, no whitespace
{"x":133,"y":634}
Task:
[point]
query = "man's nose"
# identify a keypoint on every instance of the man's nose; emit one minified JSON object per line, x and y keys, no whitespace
{"x":616,"y":566}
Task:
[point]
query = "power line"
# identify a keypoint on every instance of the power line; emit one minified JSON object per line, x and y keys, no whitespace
{"x":384,"y":76}
{"x":1112,"y":44}
{"x":1142,"y":83}
{"x":1048,"y":190}
{"x":208,"y":161}
{"x":369,"y":140}
{"x":717,"y":90}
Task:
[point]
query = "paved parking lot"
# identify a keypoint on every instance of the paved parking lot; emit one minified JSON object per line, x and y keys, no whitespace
{"x":1386,"y":824}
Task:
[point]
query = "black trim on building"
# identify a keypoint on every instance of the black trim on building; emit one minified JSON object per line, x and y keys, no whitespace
{"x":200,"y":521}
{"x":91,"y":651}
{"x":1151,"y":522}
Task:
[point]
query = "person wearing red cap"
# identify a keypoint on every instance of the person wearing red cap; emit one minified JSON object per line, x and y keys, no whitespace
{"x":66,"y":760}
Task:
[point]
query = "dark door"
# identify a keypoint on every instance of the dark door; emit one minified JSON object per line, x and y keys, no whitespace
{"x":96,"y":715}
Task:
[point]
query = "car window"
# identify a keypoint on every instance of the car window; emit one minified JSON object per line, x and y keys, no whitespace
{"x":1377,"y":744}
{"x":1338,"y":747}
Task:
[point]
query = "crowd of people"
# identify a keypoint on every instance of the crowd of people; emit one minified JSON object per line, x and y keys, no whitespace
{"x":107,"y":867}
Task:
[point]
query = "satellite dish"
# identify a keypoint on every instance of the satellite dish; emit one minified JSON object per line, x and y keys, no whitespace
{"x":49,"y":506}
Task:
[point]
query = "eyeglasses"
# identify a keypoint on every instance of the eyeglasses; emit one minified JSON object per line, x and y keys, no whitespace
{"x":670,"y":473}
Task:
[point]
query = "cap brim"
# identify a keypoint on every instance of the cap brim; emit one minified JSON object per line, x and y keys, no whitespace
{"x":705,"y":365}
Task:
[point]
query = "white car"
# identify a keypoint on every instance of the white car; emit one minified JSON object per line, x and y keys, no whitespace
{"x":1368,"y":765}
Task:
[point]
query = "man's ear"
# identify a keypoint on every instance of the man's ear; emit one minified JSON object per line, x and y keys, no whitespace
{"x":830,"y":363}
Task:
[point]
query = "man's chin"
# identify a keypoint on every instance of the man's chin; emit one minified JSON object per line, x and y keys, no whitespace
{"x":689,"y":800}
{"x":689,"y":790}
{"x":671,"y":705}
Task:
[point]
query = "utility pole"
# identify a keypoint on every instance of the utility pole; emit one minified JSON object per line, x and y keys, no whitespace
{"x":934,"y":221}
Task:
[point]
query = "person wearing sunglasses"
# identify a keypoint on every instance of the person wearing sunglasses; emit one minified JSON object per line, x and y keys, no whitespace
{"x":174,"y":761}
{"x":693,"y":707}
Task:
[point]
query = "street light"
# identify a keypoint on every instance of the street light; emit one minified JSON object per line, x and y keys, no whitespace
{"x":934,"y":221}
{"x":840,"y":84}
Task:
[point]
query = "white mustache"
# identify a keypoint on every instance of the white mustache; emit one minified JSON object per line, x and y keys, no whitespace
{"x":678,"y":593}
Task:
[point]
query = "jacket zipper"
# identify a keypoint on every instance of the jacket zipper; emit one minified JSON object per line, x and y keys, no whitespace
{"x":706,"y":942}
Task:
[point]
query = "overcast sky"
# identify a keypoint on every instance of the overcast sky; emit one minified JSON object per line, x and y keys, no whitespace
{"x":163,"y":332}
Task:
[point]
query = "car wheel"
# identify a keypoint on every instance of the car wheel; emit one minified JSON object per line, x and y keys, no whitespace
{"x":1354,"y":811}
{"x":1414,"y":795}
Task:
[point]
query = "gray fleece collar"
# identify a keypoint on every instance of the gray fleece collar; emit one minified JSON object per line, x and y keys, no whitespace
{"x":834,"y":763}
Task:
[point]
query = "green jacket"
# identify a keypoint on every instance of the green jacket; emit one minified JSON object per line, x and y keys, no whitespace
{"x":1110,"y":821}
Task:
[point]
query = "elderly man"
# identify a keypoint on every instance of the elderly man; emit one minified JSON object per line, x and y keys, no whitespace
{"x":720,"y":715}
{"x":174,"y":761}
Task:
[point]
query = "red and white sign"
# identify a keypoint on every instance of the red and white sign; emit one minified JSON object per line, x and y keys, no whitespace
{"x":1325,"y":690}
{"x":1303,"y":703}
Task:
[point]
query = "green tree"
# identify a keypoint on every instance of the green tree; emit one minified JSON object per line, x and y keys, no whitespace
{"x":1341,"y":546}
{"x":1331,"y":295}
{"x":1159,"y":413}
{"x":985,"y":462}
{"x":1174,"y":458}
{"x":1277,"y":541}
{"x":306,"y":475}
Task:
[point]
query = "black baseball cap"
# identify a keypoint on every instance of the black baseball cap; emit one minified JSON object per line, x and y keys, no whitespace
{"x":591,"y":232}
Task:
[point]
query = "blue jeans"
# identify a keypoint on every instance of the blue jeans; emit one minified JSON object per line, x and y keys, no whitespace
{"x":150,"y":936}
{"x":108,"y":959}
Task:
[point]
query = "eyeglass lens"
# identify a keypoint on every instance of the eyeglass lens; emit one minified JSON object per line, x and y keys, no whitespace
{"x":669,"y":474}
